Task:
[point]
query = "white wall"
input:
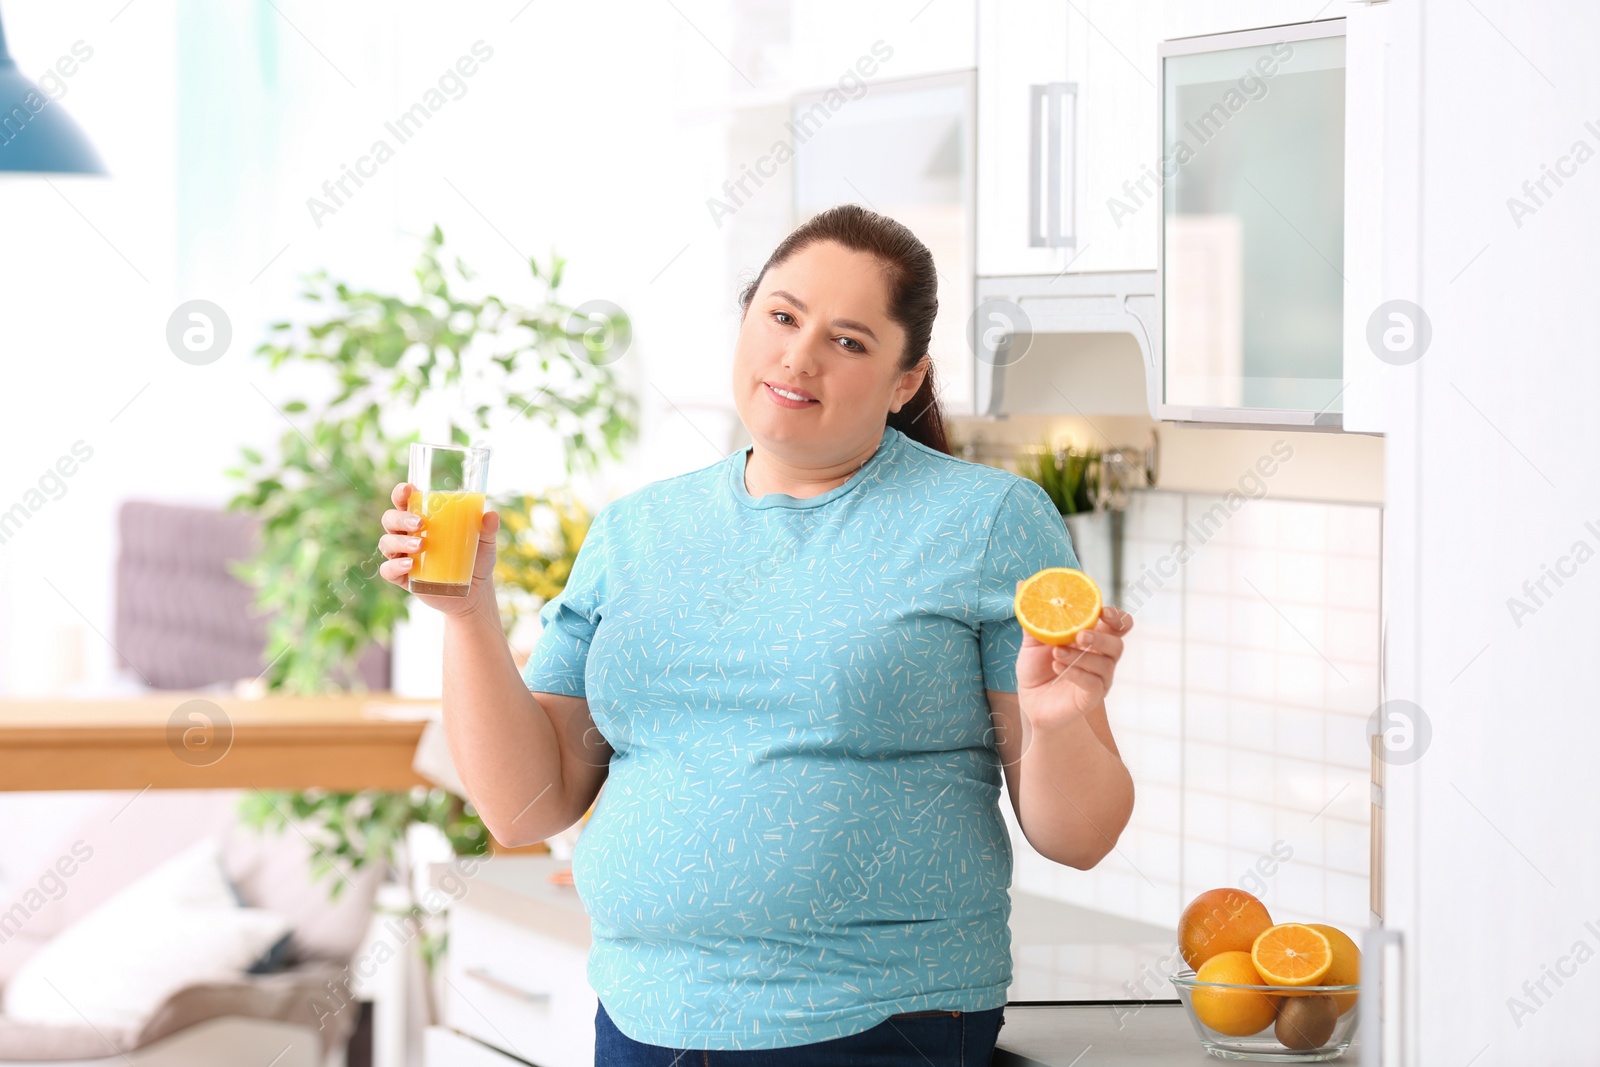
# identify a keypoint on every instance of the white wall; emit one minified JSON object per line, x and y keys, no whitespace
{"x":583,"y":134}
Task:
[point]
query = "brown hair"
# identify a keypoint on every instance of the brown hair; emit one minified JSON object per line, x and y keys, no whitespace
{"x":913,"y":284}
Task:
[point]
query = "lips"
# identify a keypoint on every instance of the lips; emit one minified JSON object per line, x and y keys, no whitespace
{"x":790,"y":389}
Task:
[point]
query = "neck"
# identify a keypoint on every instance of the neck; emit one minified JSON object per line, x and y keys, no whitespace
{"x":765,"y":472}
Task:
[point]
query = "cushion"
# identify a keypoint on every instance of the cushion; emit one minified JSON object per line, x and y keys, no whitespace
{"x":119,"y":838}
{"x":272,"y":870}
{"x":275,"y":959}
{"x":176,"y":926}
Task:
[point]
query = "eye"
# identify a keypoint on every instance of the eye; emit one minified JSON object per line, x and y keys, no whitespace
{"x":775,"y":314}
{"x":859,"y":347}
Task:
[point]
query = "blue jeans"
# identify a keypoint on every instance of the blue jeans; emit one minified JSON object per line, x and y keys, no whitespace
{"x":912,"y":1039}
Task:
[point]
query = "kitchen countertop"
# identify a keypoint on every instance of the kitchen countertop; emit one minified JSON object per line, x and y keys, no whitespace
{"x":1098,"y":1035}
{"x":1061,"y":952}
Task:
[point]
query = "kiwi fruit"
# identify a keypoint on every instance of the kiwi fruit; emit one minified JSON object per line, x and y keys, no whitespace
{"x":1305,"y":1022}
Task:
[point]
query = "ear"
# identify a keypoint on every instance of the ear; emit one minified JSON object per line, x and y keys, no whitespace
{"x":911,"y":380}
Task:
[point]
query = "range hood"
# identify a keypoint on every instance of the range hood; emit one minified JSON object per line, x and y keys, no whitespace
{"x":1067,"y":344}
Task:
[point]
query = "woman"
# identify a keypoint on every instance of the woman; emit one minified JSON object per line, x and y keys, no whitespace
{"x":787,"y":665}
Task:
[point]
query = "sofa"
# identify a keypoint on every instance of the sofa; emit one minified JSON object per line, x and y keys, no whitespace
{"x":302,"y":1012}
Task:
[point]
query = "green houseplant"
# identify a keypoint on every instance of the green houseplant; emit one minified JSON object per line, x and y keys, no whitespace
{"x":537,"y":547}
{"x":1076,"y":482}
{"x":383,"y":355}
{"x":1070,"y":476}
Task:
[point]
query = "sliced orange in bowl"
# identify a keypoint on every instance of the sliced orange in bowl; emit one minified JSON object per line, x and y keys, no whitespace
{"x":1291,"y":954}
{"x":1057,"y":603}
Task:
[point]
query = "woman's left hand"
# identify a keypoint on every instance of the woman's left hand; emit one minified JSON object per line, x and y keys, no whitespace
{"x":1056,"y":684}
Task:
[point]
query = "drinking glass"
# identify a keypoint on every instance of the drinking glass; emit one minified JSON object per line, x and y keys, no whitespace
{"x":448,"y":484}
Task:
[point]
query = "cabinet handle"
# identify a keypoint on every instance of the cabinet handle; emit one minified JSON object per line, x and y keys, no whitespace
{"x":1373,"y":1002}
{"x":500,"y":985}
{"x":1051,"y":104}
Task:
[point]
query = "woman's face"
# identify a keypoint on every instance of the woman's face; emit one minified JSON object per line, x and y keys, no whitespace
{"x":819,"y":325}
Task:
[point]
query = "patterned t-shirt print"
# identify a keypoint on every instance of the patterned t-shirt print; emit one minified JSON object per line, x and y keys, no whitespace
{"x":799,"y":835}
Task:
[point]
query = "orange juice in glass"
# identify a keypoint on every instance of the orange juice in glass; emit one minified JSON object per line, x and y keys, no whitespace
{"x":448,"y":490}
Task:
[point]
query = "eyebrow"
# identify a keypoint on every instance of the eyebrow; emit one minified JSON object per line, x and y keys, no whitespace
{"x":849,"y":324}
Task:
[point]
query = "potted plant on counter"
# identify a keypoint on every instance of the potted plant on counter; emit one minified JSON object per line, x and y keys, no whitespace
{"x":1072,"y":478}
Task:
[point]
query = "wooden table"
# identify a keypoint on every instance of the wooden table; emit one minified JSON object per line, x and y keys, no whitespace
{"x":199,"y":740}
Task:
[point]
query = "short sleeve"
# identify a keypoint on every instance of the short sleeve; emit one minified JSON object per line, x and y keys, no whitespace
{"x":569,"y":620}
{"x":1028,"y":535}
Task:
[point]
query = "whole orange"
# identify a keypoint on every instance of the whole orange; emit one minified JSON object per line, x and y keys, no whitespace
{"x":1235,"y":1012}
{"x":1346,"y":969}
{"x":1220,"y":920}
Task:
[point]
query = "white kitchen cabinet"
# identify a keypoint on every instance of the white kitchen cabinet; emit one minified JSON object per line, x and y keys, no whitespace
{"x":1100,"y":55}
{"x":1487,"y":812}
{"x":1067,"y":133}
{"x":1367,"y":377}
{"x":1022,"y":53}
{"x":1190,"y":18}
{"x":827,"y":38}
{"x":443,"y":1047}
{"x":516,"y":972}
{"x":519,"y":990}
{"x":1111,"y":49}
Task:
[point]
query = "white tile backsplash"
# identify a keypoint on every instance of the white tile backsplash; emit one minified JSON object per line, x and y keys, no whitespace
{"x":1250,"y":625}
{"x":1251,"y":725}
{"x":1251,"y":673}
{"x":1241,"y":709}
{"x":1353,"y":579}
{"x":1299,"y":733}
{"x":1250,"y":774}
{"x":1301,"y":833}
{"x":1302,"y":785}
{"x":1352,"y":634}
{"x":1347,"y":845}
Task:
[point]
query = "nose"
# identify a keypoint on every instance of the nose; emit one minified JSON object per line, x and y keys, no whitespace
{"x":800,"y":356}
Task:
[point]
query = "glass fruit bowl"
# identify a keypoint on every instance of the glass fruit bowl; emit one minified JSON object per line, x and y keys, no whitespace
{"x":1271,"y":1023}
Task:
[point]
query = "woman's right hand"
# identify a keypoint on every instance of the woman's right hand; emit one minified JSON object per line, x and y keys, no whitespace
{"x":400,"y":544}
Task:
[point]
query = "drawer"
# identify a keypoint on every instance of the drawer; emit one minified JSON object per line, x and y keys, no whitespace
{"x":442,"y":1047}
{"x":518,"y":990}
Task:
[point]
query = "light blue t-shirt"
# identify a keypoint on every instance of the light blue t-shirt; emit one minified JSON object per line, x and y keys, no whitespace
{"x":800,"y":834}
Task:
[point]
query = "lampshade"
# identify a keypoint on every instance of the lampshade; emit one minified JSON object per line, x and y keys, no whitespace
{"x":36,"y":133}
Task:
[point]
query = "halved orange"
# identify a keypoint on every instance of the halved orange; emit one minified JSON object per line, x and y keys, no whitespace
{"x":1057,"y":603}
{"x":1292,"y":954}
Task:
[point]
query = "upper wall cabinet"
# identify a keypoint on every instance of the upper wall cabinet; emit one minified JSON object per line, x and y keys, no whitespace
{"x":1111,"y":56}
{"x":1066,"y":136}
{"x":1191,"y":18}
{"x":1251,"y":277}
{"x":1027,"y":107}
{"x":1069,"y":164}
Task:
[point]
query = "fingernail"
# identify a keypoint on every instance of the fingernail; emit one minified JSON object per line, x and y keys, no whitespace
{"x":413,"y":521}
{"x":405,"y":563}
{"x":413,"y":544}
{"x":1083,"y":640}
